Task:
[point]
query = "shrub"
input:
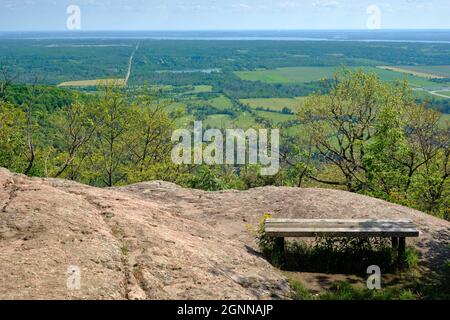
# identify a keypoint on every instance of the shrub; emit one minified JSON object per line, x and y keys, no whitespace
{"x":343,"y":290}
{"x":207,"y":179}
{"x":411,"y":259}
{"x":337,"y":255}
{"x":300,"y":292}
{"x":267,"y":244}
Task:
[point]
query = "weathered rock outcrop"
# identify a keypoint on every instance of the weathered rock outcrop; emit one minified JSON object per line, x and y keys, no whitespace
{"x":159,"y":241}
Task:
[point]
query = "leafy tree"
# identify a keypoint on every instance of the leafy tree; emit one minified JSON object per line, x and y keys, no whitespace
{"x":340,"y":123}
{"x":149,"y":138}
{"x":31,"y":125}
{"x":380,"y":141}
{"x":75,"y":127}
{"x":109,"y":153}
{"x":206,"y":178}
{"x":6,"y":81}
{"x":12,"y":139}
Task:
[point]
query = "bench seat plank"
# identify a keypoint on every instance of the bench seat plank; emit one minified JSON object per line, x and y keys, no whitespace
{"x":292,"y":228}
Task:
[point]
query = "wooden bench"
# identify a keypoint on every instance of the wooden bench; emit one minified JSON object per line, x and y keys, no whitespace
{"x":398,"y":230}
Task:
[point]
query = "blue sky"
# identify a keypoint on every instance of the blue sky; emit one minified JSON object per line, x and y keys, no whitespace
{"x":225,"y":14}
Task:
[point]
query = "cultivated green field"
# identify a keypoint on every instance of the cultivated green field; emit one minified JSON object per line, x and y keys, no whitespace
{"x":184,"y":121}
{"x":411,"y":71}
{"x":224,"y":121}
{"x":307,"y":74}
{"x":93,"y":83}
{"x":288,"y":75}
{"x":421,"y":94}
{"x":219,"y":121}
{"x":276,"y":104}
{"x":414,"y":81}
{"x":202,"y":89}
{"x":245,"y":120}
{"x":276,"y":117}
{"x":445,"y":93}
{"x":175,"y":106}
{"x":441,"y":71}
{"x":222,"y":103}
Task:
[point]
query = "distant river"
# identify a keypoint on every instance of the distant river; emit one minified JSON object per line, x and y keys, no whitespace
{"x":415,"y":36}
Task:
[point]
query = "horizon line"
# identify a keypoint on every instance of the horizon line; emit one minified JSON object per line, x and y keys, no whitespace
{"x":226,"y":30}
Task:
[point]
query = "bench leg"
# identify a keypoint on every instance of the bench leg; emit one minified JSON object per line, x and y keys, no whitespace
{"x":401,"y":250}
{"x":279,"y":245}
{"x":394,"y":243}
{"x":279,"y":252}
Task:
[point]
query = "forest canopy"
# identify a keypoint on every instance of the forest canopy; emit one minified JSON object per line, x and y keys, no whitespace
{"x":363,"y":135}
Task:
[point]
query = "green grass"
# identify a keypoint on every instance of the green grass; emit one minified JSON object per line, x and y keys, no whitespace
{"x":305,"y":74}
{"x":175,"y":106}
{"x":445,"y":93}
{"x":245,"y":120}
{"x":409,"y":286}
{"x":277,"y":104}
{"x":124,"y":249}
{"x":223,"y":121}
{"x":339,"y":256}
{"x":445,"y":120}
{"x":442,"y":71}
{"x":300,"y":291}
{"x":215,"y":120}
{"x":202,"y":89}
{"x":288,"y":75}
{"x":275,"y":116}
{"x":345,"y":291}
{"x":425,"y":94}
{"x":165,"y":88}
{"x":219,"y":121}
{"x":93,"y":83}
{"x":415,"y":81}
{"x":184,"y":121}
{"x":222,"y":103}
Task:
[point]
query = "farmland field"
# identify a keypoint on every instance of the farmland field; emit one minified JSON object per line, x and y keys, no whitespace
{"x":207,"y":79}
{"x":224,"y":121}
{"x":445,"y":93}
{"x":308,"y":74}
{"x":221,"y":102}
{"x":276,"y":104}
{"x":276,"y":117}
{"x":288,"y":75}
{"x":412,"y":71}
{"x":219,"y":121}
{"x":202,"y":88}
{"x":93,"y":83}
{"x":422,"y":94}
{"x":439,"y":71}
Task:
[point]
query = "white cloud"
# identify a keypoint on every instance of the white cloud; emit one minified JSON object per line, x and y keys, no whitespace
{"x":289,"y":5}
{"x":240,"y":6}
{"x":325,"y":4}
